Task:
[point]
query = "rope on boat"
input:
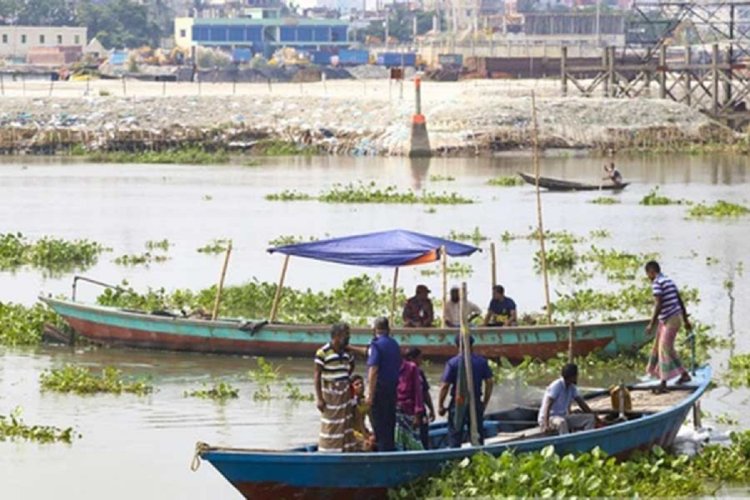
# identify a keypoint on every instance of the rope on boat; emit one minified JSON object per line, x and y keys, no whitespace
{"x":200,"y":448}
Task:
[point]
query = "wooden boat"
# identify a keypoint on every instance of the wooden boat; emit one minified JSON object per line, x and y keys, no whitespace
{"x":121,"y":327}
{"x":563,"y":185}
{"x":303,"y":473}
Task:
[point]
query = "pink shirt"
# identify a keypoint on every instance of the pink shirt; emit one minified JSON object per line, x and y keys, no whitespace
{"x":409,"y":392}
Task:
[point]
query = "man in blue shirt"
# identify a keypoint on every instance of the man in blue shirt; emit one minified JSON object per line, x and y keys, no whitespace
{"x":383,"y":362}
{"x":502,"y":309}
{"x":481,"y":373}
{"x":554,"y":414}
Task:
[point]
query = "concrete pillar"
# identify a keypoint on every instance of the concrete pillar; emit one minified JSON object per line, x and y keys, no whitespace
{"x":420,"y":140}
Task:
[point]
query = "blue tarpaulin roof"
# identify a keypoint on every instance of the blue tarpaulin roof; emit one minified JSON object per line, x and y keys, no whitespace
{"x":382,"y":249}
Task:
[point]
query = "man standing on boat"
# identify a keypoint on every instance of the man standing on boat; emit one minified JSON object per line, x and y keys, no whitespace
{"x":384,"y":363}
{"x":418,"y":311}
{"x":333,"y":366}
{"x":554,"y":414}
{"x":482,"y":375}
{"x":669,"y":309}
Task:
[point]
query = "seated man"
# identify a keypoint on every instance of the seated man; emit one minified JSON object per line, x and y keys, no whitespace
{"x":452,"y":316}
{"x":554,"y":414}
{"x":418,"y":309}
{"x":502,"y":309}
{"x":613,"y":174}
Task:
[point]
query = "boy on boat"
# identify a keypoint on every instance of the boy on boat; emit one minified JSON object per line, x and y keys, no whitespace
{"x":502,"y":309}
{"x":554,"y":414}
{"x":362,"y":436}
{"x":482,"y":376}
{"x":333,"y":366}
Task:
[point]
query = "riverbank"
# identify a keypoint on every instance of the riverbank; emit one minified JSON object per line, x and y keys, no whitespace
{"x":364,"y":117}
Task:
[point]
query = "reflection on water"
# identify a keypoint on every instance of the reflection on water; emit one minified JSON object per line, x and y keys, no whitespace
{"x":141,"y":446}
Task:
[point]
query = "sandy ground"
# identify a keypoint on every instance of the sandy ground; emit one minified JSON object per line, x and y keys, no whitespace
{"x":354,"y":116}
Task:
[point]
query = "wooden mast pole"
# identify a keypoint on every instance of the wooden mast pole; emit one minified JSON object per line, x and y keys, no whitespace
{"x":535,"y":141}
{"x":217,"y":301}
{"x":444,"y":272}
{"x":466,"y":351}
{"x":493,"y":264}
{"x":393,"y":295}
{"x":277,"y":295}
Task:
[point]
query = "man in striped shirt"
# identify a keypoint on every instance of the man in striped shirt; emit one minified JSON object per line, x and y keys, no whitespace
{"x":333,"y":366}
{"x":669,"y":310}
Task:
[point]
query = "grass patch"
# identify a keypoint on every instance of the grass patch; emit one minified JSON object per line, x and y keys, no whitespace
{"x":506,"y":181}
{"x":277,"y":147}
{"x":81,"y":380}
{"x":190,"y":155}
{"x":719,"y":210}
{"x":12,"y":428}
{"x":220,"y":391}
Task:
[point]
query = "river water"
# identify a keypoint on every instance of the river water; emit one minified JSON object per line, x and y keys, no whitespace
{"x":141,"y":446}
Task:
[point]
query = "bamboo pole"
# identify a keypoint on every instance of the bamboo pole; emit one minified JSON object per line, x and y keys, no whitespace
{"x":571,"y":336}
{"x":393,"y":294}
{"x":444,"y":272}
{"x":466,"y":352}
{"x":217,"y":301}
{"x":535,"y":140}
{"x":493,"y":261}
{"x":277,"y":295}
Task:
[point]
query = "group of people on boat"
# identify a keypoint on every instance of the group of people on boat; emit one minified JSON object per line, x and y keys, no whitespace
{"x":419,"y":312}
{"x":396,"y":394}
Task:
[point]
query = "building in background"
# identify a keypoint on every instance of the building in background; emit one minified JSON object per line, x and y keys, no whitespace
{"x":261,"y":35}
{"x":17,"y":41}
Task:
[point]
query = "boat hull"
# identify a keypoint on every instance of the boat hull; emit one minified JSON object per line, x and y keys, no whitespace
{"x":299,"y":474}
{"x":134,"y":329}
{"x":563,"y":185}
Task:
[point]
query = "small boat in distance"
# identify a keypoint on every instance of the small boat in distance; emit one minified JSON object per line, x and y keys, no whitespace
{"x":654,"y":419}
{"x":562,"y":185}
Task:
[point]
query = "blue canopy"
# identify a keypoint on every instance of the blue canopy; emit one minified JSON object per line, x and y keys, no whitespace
{"x":394,"y":248}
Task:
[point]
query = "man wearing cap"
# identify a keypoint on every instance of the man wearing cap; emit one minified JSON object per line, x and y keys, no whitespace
{"x":452,"y":308}
{"x":554,"y":414}
{"x":481,"y":373}
{"x":418,"y":310}
{"x":383,"y":364}
{"x":502,"y":309}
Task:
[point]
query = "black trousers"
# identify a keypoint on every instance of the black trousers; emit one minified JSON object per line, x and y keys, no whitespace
{"x":383,"y":414}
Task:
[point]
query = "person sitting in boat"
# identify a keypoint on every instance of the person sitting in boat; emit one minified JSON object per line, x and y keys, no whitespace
{"x":554,"y":414}
{"x":502,"y":309}
{"x":410,"y":410}
{"x":333,"y":366}
{"x":613,"y":174}
{"x":459,"y":418}
{"x":418,"y":311}
{"x":452,"y":316}
{"x":362,"y":436}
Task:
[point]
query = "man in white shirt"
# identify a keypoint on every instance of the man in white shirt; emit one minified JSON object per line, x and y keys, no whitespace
{"x":554,"y":415}
{"x":452,"y":315}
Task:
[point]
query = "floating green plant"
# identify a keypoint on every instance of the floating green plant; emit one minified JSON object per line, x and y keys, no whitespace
{"x":476,"y":236}
{"x":371,"y":193}
{"x":220,"y":391}
{"x":82,"y":380}
{"x":158,"y":245}
{"x":216,"y":246}
{"x":139,"y":259}
{"x":617,"y":265}
{"x":605,"y":200}
{"x":655,"y":198}
{"x":721,"y":209}
{"x":505,"y":181}
{"x":290,"y":239}
{"x":559,"y":258}
{"x":12,"y":427}
{"x":55,"y":255}
{"x":289,"y":195}
{"x":22,"y":325}
{"x":442,"y":178}
{"x":263,"y":393}
{"x":191,"y":155}
{"x":739,"y":371}
{"x":453,"y":269}
{"x":264,"y":372}
{"x":294,"y":393}
{"x":599,"y":233}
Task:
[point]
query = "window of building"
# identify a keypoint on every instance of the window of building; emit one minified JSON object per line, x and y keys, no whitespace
{"x":183,"y":34}
{"x":41,"y":38}
{"x":23,"y":38}
{"x":77,"y":39}
{"x":5,"y":38}
{"x":59,"y":39}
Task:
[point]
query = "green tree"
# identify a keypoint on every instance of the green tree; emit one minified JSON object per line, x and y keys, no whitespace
{"x":44,"y":13}
{"x":120,"y":23}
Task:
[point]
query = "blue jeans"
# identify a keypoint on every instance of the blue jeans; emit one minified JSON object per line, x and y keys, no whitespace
{"x":383,"y":414}
{"x":459,"y":432}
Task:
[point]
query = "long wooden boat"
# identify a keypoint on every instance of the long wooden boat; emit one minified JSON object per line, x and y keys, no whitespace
{"x":304,"y":473}
{"x":108,"y":325}
{"x":563,"y":185}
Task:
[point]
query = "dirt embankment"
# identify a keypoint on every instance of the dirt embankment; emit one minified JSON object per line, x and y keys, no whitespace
{"x":342,"y":117}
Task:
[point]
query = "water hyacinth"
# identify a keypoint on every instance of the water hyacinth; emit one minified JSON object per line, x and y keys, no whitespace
{"x":12,"y":427}
{"x":22,"y":325}
{"x":720,"y":209}
{"x":54,"y":255}
{"x":506,"y":181}
{"x":371,"y":193}
{"x":82,"y":380}
{"x":221,"y":391}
